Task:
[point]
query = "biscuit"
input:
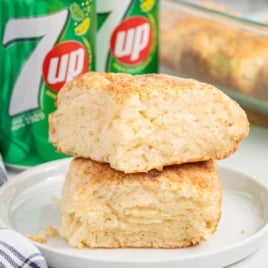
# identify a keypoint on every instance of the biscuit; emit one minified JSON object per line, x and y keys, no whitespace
{"x":143,"y":122}
{"x":105,"y":208}
{"x":213,"y":52}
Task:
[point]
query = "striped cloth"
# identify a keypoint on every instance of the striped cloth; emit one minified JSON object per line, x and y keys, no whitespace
{"x":16,"y":251}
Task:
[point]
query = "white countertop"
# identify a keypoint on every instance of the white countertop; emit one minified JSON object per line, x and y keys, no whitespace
{"x":252,"y":159}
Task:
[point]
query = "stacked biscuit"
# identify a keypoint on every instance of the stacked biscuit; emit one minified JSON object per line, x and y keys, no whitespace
{"x":144,"y":172}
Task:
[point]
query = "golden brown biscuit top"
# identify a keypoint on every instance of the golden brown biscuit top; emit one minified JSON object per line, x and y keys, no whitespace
{"x":90,"y":175}
{"x":123,"y":87}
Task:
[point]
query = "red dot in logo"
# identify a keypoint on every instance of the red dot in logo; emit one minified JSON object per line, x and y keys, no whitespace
{"x":64,"y":62}
{"x":131,"y":40}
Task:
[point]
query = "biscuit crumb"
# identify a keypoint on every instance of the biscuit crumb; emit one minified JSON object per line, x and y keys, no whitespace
{"x":37,"y":238}
{"x":44,"y":235}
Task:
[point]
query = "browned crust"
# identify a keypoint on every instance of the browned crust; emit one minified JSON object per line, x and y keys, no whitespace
{"x":90,"y":174}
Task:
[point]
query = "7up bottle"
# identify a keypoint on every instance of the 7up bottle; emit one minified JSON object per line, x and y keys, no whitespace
{"x":44,"y":44}
{"x":127,"y":36}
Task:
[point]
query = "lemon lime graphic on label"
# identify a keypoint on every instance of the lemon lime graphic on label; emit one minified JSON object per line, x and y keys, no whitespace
{"x":82,"y":27}
{"x":77,"y":12}
{"x":147,"y":5}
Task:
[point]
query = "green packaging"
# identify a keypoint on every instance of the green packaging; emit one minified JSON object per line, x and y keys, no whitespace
{"x":44,"y":44}
{"x":127,"y":36}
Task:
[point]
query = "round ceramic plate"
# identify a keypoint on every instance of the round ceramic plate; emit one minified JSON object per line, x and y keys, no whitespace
{"x":26,"y":205}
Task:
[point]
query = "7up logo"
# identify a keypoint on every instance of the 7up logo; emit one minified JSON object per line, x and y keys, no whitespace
{"x":131,"y":40}
{"x":64,"y":62}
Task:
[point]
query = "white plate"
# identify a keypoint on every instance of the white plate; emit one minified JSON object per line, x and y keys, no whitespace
{"x":26,"y":206}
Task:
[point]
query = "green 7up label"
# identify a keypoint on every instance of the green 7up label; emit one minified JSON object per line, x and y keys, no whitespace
{"x":127,"y":36}
{"x":41,"y":52}
{"x":116,"y":11}
{"x":57,"y":66}
{"x":27,"y":89}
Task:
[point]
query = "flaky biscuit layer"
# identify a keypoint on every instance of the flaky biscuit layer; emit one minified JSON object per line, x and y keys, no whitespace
{"x":102,"y":207}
